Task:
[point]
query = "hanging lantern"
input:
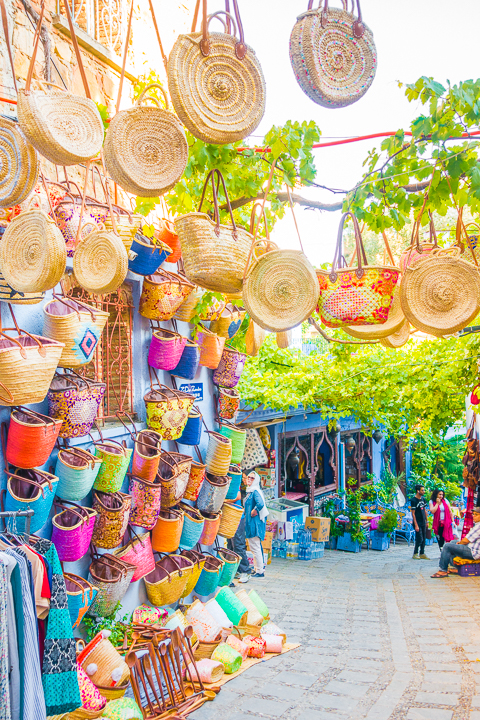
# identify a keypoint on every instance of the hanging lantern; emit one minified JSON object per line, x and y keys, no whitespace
{"x":350,"y":443}
{"x":377,"y":436}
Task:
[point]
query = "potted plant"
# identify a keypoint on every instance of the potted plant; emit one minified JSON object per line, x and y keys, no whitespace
{"x":354,"y":535}
{"x":336,"y":530}
{"x":386,"y":525}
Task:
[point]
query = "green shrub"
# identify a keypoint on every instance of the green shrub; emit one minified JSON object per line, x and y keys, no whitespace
{"x":388,"y":521}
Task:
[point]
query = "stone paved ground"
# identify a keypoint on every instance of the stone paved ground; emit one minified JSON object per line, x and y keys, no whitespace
{"x":380,"y":640}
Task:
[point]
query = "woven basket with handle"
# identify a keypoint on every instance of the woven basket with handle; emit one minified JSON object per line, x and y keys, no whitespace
{"x":216,"y":82}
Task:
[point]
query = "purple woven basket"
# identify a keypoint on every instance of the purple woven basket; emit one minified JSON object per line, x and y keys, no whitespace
{"x":72,"y":534}
{"x":230,"y":368}
{"x":166,"y":349}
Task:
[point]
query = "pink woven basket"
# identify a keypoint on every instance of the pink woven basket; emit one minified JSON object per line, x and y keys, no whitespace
{"x":166,"y":348}
{"x":72,"y":531}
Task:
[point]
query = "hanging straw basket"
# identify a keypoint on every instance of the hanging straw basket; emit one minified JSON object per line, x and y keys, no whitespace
{"x":76,"y":470}
{"x":198,"y":560}
{"x":333,"y":55}
{"x":113,"y":511}
{"x":72,"y":532}
{"x":189,"y":361}
{"x":238,"y":437}
{"x":213,"y":493}
{"x":75,"y":400}
{"x":167,"y":410}
{"x":214,"y":255}
{"x":230,"y":368}
{"x":77,"y":325}
{"x":284,"y":339}
{"x":211,"y":348}
{"x":398,"y":338}
{"x":216,"y":84}
{"x":231,"y":516}
{"x":186,"y":311}
{"x":33,"y":255}
{"x":31,"y":438}
{"x":168,"y":530}
{"x":210,"y":527}
{"x":228,"y":323}
{"x":111,"y":576}
{"x":195,"y":480}
{"x":166,"y":584}
{"x":254,"y":338}
{"x":162,"y":294}
{"x":100,"y":262}
{"x":396,"y":319}
{"x":280,"y":290}
{"x":19,"y":165}
{"x":192,"y":431}
{"x":9,"y":295}
{"x":166,"y":348}
{"x":235,"y":475}
{"x":192,"y":527}
{"x":146,"y":501}
{"x":138,"y":552}
{"x":231,"y":562}
{"x":219,"y":454}
{"x":130,"y":132}
{"x":146,"y":455}
{"x":441,"y":294}
{"x":228,"y":403}
{"x":166,"y":234}
{"x":127,"y":225}
{"x":174,"y":472}
{"x":145,"y":255}
{"x":210,"y":576}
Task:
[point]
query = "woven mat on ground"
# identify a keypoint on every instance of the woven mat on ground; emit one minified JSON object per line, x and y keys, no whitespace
{"x":250,"y":662}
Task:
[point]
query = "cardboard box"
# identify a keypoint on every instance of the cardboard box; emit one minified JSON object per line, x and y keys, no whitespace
{"x":267,"y":543}
{"x":319,"y":527}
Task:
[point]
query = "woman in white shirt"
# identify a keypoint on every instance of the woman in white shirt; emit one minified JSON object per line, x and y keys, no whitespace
{"x":442,"y":517}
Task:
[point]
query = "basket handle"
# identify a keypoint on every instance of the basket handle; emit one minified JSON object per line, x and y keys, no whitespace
{"x":226,"y":23}
{"x":41,"y":350}
{"x":142,"y":99}
{"x":75,"y":582}
{"x":72,"y":510}
{"x":69,"y":304}
{"x":360,"y":250}
{"x":132,"y":435}
{"x":7,"y":41}
{"x":45,"y":419}
{"x":216,"y":214}
{"x":358,"y":28}
{"x":240,"y":47}
{"x":80,"y":453}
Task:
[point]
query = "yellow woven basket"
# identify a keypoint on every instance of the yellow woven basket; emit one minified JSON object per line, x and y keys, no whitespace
{"x":75,"y":324}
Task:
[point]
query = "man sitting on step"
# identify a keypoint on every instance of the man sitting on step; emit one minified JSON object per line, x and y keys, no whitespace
{"x":468,"y":549}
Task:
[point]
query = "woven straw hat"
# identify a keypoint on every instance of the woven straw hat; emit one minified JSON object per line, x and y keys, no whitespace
{"x":333,"y":55}
{"x":398,"y":338}
{"x":375,"y":332}
{"x":146,"y":149}
{"x":100,"y":262}
{"x":33,"y":254}
{"x":216,"y":85}
{"x":441,"y":293}
{"x":280,"y":290}
{"x":19,"y":164}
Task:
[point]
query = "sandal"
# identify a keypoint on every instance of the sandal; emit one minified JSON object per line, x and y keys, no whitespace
{"x":453,"y":571}
{"x":439,"y":574}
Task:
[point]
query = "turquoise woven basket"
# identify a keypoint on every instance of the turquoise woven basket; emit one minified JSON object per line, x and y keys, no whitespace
{"x":235,"y":475}
{"x":234,"y":609}
{"x":210,"y":576}
{"x":193,"y":523}
{"x":231,"y":562}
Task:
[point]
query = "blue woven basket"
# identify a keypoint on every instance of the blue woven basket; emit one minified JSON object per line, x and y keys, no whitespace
{"x":80,"y":595}
{"x":149,"y":257}
{"x":193,"y":523}
{"x":235,"y":475}
{"x":231,"y":562}
{"x":75,"y":480}
{"x":188,"y":364}
{"x":23,"y":496}
{"x":210,"y":576}
{"x":193,"y":429}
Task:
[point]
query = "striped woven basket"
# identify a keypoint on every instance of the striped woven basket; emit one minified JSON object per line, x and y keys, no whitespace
{"x":231,"y":516}
{"x":198,"y":561}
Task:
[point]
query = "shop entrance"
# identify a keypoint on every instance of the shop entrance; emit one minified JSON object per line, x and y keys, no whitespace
{"x":308,"y":464}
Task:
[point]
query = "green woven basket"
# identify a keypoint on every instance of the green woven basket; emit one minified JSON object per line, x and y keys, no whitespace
{"x":234,"y":609}
{"x":259,"y":604}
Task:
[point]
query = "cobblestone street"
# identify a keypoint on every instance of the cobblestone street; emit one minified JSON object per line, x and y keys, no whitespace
{"x":379,"y":640}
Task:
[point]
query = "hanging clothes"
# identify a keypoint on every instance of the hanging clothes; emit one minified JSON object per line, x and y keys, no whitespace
{"x":5,"y":713}
{"x":13,"y":576}
{"x":33,"y":695}
{"x":59,"y":672}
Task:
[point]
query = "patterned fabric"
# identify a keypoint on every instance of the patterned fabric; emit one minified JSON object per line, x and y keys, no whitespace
{"x":112,"y":470}
{"x":160,"y":301}
{"x":228,"y":404}
{"x":110,"y":525}
{"x":230,"y":368}
{"x":122,"y":709}
{"x":350,"y":300}
{"x":254,"y":451}
{"x":169,"y":418}
{"x":60,"y":680}
{"x":149,"y":615}
{"x":77,"y":408}
{"x":4,"y":665}
{"x":146,"y":499}
{"x":91,"y":698}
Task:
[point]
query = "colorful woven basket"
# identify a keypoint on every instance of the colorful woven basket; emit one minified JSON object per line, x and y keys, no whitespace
{"x":166,"y":348}
{"x":76,"y":470}
{"x":167,"y":410}
{"x":102,"y":663}
{"x":31,"y":438}
{"x":228,"y":403}
{"x":192,"y":527}
{"x":115,"y":461}
{"x":167,"y":531}
{"x":210,"y":576}
{"x":259,"y":604}
{"x":229,"y":657}
{"x":230,"y":368}
{"x":219,"y":454}
{"x":113,"y":511}
{"x":166,"y":233}
{"x":198,"y":561}
{"x":211,"y":348}
{"x":233,"y":607}
{"x":166,"y":584}
{"x":75,"y":400}
{"x":146,"y":501}
{"x":235,"y":475}
{"x":206,"y":628}
{"x":254,"y":617}
{"x":192,"y":432}
{"x":231,"y":562}
{"x":80,"y":595}
{"x":195,"y":480}
{"x":228,"y":323}
{"x":189,"y":361}
{"x":72,"y":531}
{"x":146,"y":455}
{"x":162,"y":294}
{"x":138,"y":552}
{"x":238,"y":437}
{"x":256,"y":646}
{"x":210,"y":527}
{"x":31,"y":490}
{"x":77,"y":325}
{"x":231,"y":516}
{"x":111,"y":576}
{"x":212,"y":493}
{"x":145,"y":256}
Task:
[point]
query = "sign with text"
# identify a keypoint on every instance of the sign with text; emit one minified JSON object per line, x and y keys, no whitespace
{"x":195,"y":389}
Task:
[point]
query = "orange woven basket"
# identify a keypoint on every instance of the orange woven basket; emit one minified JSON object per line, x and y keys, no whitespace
{"x":211,"y":348}
{"x":167,"y":531}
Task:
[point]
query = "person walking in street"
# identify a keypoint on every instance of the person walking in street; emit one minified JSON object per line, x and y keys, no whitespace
{"x":442,"y":517}
{"x":238,"y":542}
{"x":255,"y":521}
{"x":467,"y":549}
{"x":418,"y":505}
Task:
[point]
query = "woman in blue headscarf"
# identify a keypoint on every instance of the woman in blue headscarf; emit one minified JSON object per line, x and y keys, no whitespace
{"x":255,"y":521}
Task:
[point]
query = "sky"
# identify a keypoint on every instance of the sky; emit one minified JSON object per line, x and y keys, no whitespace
{"x":413,"y":38}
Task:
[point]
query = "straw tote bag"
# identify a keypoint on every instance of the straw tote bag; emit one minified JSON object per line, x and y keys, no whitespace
{"x":63,"y":127}
{"x":230,"y":368}
{"x":146,"y":149}
{"x":216,"y":82}
{"x":146,"y":450}
{"x":31,"y":438}
{"x":19,"y":163}
{"x":440,"y":294}
{"x":113,"y":510}
{"x":33,"y":256}
{"x":360,"y":296}
{"x":174,"y":473}
{"x":228,"y":323}
{"x":166,"y":348}
{"x":214,"y":255}
{"x":254,"y":338}
{"x":77,"y":325}
{"x":80,"y":595}
{"x":115,"y":461}
{"x":76,"y":470}
{"x":72,"y":530}
{"x":168,"y":530}
{"x":75,"y":400}
{"x":111,"y":576}
{"x":167,"y":410}
{"x":162,"y":294}
{"x":27,"y":365}
{"x":195,"y":479}
{"x":138,"y":551}
{"x":398,"y":338}
{"x":333,"y":55}
{"x":166,"y":584}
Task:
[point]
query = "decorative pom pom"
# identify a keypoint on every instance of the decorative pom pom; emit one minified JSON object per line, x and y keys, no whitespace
{"x":92,"y":669}
{"x":116,"y":674}
{"x":106,"y":633}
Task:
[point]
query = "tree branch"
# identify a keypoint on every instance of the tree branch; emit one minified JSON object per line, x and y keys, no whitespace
{"x":44,"y":37}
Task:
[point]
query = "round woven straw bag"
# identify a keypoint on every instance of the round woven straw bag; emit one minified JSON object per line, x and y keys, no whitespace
{"x":146,"y":149}
{"x":280,"y":290}
{"x":333,"y":55}
{"x":33,"y":255}
{"x":396,"y":319}
{"x":216,"y":83}
{"x":214,"y":255}
{"x":440,"y":294}
{"x":398,"y":338}
{"x":19,"y":165}
{"x":100,"y":262}
{"x":65,"y":128}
